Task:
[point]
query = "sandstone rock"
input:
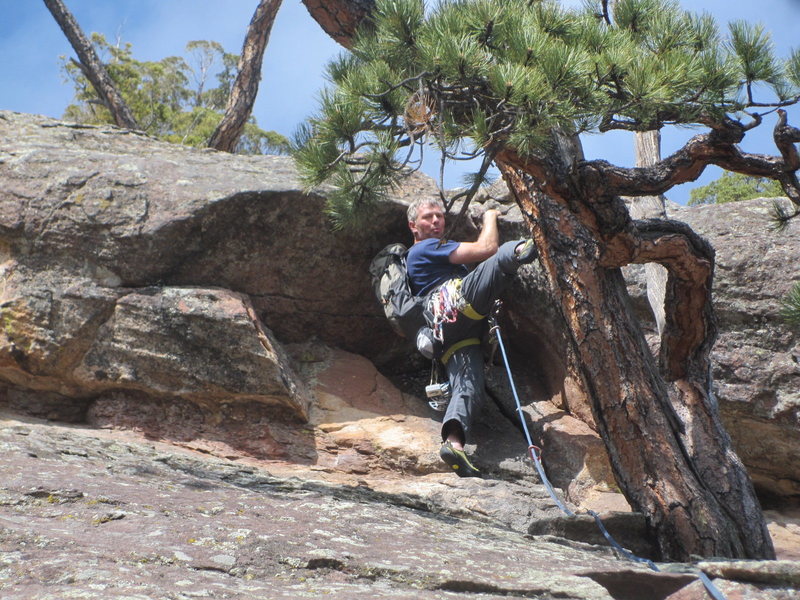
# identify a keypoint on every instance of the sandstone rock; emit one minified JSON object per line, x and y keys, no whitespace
{"x":75,"y":338}
{"x":48,"y":319}
{"x":200,"y":344}
{"x":123,"y":210}
{"x":361,"y":412}
{"x":100,"y":514}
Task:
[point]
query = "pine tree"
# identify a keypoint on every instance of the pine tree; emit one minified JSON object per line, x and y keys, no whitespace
{"x":515,"y":83}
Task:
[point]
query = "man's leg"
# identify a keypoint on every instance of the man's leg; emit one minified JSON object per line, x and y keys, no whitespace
{"x":485,"y":284}
{"x":465,"y":373}
{"x":465,"y":368}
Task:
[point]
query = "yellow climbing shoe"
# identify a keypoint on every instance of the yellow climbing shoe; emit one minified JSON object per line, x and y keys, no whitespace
{"x":458,"y":461}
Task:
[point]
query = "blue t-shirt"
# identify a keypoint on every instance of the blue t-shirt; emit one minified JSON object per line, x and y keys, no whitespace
{"x":428,"y":265}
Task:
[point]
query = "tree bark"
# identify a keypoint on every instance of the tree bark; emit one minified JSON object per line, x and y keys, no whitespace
{"x":245,"y":88}
{"x":340,"y":18}
{"x":660,"y":423}
{"x":670,"y":453}
{"x":91,"y":66}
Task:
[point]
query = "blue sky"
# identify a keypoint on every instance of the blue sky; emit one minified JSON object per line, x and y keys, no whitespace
{"x":31,"y":43}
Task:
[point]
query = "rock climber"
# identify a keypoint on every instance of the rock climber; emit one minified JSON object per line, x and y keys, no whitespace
{"x":458,"y":302}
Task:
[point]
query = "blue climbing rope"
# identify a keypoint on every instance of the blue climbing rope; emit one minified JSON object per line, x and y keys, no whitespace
{"x":535,"y":453}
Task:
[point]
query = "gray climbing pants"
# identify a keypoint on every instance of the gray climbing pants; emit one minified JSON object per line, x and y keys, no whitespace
{"x":464,"y":366}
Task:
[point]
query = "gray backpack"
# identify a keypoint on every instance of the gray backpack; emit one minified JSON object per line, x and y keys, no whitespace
{"x":391,"y":286}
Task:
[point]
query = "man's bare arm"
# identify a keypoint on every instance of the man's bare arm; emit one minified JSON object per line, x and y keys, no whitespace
{"x":482,"y":248}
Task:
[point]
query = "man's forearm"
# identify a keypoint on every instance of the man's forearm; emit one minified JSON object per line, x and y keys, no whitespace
{"x":489,"y":237}
{"x":482,"y":248}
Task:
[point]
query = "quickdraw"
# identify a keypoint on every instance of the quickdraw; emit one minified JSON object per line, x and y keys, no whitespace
{"x":445,"y":304}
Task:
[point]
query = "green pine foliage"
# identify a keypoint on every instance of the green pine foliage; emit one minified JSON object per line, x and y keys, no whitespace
{"x":753,"y":47}
{"x":732,"y":187}
{"x":793,"y":68}
{"x":790,"y":309}
{"x":473,"y":77}
{"x":171,"y":99}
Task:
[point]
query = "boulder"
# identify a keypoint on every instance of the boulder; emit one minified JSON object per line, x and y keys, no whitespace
{"x":77,"y":339}
{"x":127,"y":211}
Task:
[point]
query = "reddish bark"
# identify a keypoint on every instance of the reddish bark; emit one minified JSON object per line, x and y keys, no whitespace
{"x":340,"y":18}
{"x":669,"y":451}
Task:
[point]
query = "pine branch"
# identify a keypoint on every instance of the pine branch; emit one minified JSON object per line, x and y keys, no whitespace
{"x":469,"y":194}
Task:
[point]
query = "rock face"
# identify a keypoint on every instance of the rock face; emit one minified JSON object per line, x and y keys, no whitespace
{"x":93,"y":515}
{"x":202,"y":302}
{"x":757,"y":357}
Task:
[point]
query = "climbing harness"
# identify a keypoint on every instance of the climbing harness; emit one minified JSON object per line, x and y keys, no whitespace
{"x":444,"y":305}
{"x":535,"y":453}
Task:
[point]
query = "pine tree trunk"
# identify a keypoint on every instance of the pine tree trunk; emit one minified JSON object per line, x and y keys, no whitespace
{"x":671,"y":456}
{"x":91,"y":66}
{"x":245,"y":88}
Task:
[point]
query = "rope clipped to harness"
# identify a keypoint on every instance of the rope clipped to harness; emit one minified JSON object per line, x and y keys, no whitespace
{"x":535,"y":453}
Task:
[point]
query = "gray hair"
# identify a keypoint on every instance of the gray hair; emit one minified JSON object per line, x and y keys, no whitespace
{"x":419,"y":203}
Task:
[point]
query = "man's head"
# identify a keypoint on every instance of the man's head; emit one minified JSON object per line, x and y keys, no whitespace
{"x":426,"y":219}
